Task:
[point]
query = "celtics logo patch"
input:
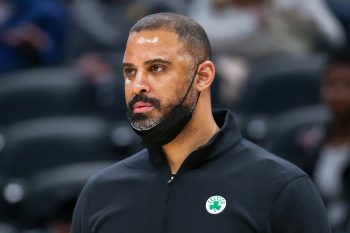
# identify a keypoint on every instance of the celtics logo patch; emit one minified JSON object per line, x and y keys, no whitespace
{"x":215,"y":204}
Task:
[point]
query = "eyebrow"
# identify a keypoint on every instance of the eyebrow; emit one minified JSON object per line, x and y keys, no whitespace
{"x":157,"y":60}
{"x":125,"y":64}
{"x":149,"y":62}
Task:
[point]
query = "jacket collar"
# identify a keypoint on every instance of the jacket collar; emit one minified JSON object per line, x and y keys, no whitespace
{"x":226,"y":138}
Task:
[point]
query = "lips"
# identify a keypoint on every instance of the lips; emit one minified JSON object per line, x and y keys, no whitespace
{"x":142,"y":107}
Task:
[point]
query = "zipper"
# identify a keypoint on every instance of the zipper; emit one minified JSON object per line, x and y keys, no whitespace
{"x":165,"y":212}
{"x":170,"y":181}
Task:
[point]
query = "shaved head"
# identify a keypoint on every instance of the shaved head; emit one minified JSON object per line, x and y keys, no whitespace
{"x":190,"y":34}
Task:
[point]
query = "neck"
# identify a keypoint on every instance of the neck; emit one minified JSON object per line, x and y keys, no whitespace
{"x":197,"y":132}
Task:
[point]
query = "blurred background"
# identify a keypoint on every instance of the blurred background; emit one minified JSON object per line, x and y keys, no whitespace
{"x":283,"y":68}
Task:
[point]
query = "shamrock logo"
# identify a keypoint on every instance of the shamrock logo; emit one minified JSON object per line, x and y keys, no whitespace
{"x":215,"y":204}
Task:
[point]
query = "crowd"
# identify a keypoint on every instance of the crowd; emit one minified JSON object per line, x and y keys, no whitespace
{"x":283,"y":68}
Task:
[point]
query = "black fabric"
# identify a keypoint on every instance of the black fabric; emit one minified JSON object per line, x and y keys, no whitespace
{"x":168,"y":129}
{"x":263,"y":193}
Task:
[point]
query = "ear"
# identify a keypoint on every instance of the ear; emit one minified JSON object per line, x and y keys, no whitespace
{"x":206,"y":73}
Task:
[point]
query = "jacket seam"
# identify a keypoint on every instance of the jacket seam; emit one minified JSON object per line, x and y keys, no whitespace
{"x":285,"y":186}
{"x":279,"y":193}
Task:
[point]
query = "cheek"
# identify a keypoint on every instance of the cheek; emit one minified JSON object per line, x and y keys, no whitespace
{"x":127,"y":90}
{"x":127,"y":81}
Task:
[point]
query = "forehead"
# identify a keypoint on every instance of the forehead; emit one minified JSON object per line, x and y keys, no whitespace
{"x":150,"y":44}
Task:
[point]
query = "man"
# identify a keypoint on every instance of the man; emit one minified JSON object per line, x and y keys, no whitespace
{"x":319,"y":142}
{"x":330,"y":165}
{"x":197,"y":174}
{"x":32,"y":33}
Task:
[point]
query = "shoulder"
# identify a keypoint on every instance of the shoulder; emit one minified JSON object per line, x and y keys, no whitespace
{"x":283,"y":186}
{"x":108,"y":182}
{"x":262,"y":159}
{"x":268,"y":171}
{"x":121,"y":170}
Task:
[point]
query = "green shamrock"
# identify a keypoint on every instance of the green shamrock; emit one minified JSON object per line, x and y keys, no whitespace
{"x":215,"y":206}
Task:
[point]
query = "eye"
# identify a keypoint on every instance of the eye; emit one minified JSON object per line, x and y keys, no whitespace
{"x":157,"y":68}
{"x":129,"y":72}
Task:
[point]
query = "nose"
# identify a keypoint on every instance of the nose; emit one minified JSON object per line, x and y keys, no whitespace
{"x":140,"y":84}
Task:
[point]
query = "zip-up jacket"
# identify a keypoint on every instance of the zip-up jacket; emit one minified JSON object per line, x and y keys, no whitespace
{"x":228,"y":185}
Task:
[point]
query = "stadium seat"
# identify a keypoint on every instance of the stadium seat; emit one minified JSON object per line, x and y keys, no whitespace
{"x":51,"y":195}
{"x":36,"y":146}
{"x":293,"y":135}
{"x":281,"y":83}
{"x":48,"y":160}
{"x":43,"y":92}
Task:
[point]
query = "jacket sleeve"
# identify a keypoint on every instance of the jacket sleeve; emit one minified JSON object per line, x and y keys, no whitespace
{"x":298,"y":208}
{"x":79,"y":223}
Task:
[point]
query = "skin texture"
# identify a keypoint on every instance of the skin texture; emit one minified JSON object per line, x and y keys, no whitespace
{"x":156,"y":65}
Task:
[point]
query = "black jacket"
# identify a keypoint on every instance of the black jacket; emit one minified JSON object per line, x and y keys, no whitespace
{"x":228,"y":185}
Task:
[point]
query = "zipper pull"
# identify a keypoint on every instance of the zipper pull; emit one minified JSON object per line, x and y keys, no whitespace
{"x":170,"y":180}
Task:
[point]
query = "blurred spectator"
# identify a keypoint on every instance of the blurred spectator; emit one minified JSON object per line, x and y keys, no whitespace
{"x":341,"y":9}
{"x":109,"y":87}
{"x":244,"y":31}
{"x":333,"y":158}
{"x":323,"y":147}
{"x":32,"y":33}
{"x":253,"y":28}
{"x":103,"y":25}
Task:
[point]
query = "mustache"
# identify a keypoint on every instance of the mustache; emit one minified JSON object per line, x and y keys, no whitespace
{"x":143,"y":98}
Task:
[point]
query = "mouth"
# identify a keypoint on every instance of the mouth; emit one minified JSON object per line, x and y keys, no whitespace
{"x":142,"y":107}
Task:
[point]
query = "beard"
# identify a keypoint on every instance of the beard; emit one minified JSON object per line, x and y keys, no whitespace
{"x":141,"y":121}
